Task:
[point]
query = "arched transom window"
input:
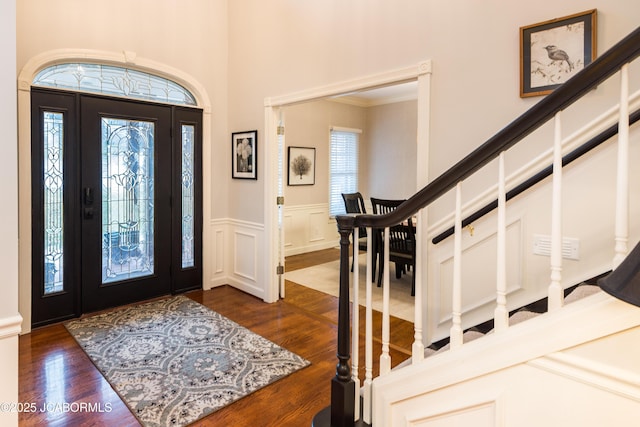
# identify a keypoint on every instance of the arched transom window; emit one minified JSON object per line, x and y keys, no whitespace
{"x":115,"y":81}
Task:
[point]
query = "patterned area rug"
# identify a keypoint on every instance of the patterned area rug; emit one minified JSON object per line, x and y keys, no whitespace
{"x":174,"y":361}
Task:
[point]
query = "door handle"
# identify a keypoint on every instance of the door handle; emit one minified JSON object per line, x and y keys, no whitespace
{"x":88,"y":196}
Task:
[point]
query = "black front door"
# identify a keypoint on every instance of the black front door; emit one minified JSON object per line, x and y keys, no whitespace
{"x":126,"y":201}
{"x":125,"y":221}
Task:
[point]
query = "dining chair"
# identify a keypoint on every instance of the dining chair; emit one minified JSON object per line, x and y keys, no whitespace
{"x":354,"y":203}
{"x":402,"y":242}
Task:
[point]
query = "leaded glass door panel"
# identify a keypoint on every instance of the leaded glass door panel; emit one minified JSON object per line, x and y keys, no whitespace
{"x":127,"y":199}
{"x":126,"y":187}
{"x":187,"y":190}
{"x":55,"y":234}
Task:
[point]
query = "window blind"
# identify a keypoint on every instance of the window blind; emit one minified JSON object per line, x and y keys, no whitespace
{"x":343,"y":167}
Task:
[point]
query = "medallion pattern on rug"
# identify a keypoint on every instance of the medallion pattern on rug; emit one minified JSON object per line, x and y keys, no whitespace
{"x":175,"y":361}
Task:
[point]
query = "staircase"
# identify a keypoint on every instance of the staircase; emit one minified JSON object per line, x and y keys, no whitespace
{"x":554,"y":360}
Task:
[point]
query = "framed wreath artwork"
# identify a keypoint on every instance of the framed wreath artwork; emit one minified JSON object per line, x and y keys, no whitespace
{"x":552,"y":52}
{"x":302,"y":166}
{"x":244,"y":155}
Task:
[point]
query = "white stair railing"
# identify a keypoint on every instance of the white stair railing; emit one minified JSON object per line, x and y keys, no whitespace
{"x":622,"y":183}
{"x":556,"y":292}
{"x":501,"y":314}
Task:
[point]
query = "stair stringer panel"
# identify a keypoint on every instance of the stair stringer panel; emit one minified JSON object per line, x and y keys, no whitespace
{"x":576,"y":366}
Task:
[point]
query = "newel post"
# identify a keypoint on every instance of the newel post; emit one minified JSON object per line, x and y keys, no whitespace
{"x":341,"y":411}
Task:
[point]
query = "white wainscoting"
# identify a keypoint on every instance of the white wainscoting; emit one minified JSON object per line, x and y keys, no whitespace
{"x":9,"y":331}
{"x":479,"y":276}
{"x":527,"y":376}
{"x":587,"y":216}
{"x":237,"y":256}
{"x":308,"y":228}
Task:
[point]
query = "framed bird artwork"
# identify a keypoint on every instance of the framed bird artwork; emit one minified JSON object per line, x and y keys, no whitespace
{"x":552,"y":52}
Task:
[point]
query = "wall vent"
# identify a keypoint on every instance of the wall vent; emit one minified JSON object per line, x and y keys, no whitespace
{"x":570,"y":246}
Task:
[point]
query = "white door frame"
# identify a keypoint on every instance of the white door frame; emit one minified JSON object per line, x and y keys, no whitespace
{"x":420,"y":73}
{"x":122,"y":59}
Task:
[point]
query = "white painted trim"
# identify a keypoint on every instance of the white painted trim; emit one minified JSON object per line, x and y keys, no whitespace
{"x":343,"y":129}
{"x":225,"y":232}
{"x":130,"y":60}
{"x":361,"y":83}
{"x":520,"y":343}
{"x":605,"y":377}
{"x":307,"y":240}
{"x":420,"y":417}
{"x":569,"y":143}
{"x":251,"y":276}
{"x":239,"y":223}
{"x":10,"y":326}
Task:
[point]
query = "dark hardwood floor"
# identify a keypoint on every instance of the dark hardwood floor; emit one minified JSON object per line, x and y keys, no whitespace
{"x":54,"y":370}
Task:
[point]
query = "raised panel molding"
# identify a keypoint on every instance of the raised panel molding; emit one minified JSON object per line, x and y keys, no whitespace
{"x":480,"y":414}
{"x":592,"y":373}
{"x":479,"y":274}
{"x":508,"y":364}
{"x":308,"y":228}
{"x":219,"y":251}
{"x":236,"y":246}
{"x":245,"y":255}
{"x":287,"y":220}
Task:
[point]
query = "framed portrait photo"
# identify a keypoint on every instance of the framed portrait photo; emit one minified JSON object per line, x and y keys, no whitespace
{"x":302,"y":166}
{"x":244,"y":155}
{"x":552,"y":52}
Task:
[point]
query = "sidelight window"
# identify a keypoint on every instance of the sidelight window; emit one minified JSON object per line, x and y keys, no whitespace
{"x":53,"y":138}
{"x":188,"y":196}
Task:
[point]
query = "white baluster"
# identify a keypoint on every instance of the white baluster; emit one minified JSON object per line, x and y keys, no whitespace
{"x":556,"y":293}
{"x":622,"y":184}
{"x":368,"y":351}
{"x":417,"y":349}
{"x":355,"y":322}
{"x":456,"y":327}
{"x":501,"y":315}
{"x":385,"y":357}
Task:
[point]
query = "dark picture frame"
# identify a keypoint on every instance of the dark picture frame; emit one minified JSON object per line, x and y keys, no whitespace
{"x":302,"y":166}
{"x":244,"y":155}
{"x":552,"y":52}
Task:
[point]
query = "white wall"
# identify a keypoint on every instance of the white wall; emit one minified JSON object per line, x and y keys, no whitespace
{"x":392,"y":146}
{"x":152,"y":36}
{"x":9,"y":319}
{"x":243,"y":51}
{"x":191,"y":38}
{"x":387,"y":151}
{"x":285,"y":46}
{"x":308,"y":125}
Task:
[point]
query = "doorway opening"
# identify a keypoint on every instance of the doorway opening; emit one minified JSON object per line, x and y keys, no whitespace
{"x":276,"y":135}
